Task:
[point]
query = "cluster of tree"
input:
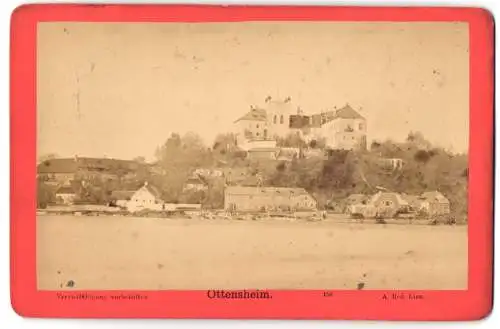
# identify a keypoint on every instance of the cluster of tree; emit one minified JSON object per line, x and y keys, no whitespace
{"x":45,"y":194}
{"x":426,"y":168}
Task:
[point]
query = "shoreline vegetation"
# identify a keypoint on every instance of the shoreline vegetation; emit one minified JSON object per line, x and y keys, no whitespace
{"x":221,"y":215}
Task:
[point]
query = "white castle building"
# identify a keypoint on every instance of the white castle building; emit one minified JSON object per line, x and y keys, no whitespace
{"x":342,"y":128}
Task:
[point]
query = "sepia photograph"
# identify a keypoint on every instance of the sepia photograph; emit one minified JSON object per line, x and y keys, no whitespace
{"x":252,"y":155}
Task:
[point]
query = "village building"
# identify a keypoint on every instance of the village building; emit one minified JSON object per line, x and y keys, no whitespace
{"x":354,"y":202}
{"x":58,"y":171}
{"x":344,"y":129}
{"x":435,"y":203}
{"x":388,"y":203}
{"x":121,"y":198}
{"x":416,"y":202}
{"x":253,"y":125}
{"x":65,"y":195}
{"x":62,"y":171}
{"x":244,"y":198}
{"x":147,"y":197}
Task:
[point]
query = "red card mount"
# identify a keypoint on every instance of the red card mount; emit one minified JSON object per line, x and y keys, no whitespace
{"x":27,"y":300}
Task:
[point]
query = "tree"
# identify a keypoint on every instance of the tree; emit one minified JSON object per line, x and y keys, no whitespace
{"x":45,"y":195}
{"x":140,"y":159}
{"x":291,"y":140}
{"x":224,"y":143}
{"x":178,"y":157}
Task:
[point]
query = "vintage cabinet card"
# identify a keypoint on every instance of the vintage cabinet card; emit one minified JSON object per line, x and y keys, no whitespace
{"x":252,"y":162}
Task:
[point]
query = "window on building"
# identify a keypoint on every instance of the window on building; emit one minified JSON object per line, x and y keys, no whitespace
{"x":257,"y":134}
{"x":275,"y":119}
{"x":360,"y":126}
{"x":282,"y":119}
{"x":388,"y":203}
{"x":257,"y":126}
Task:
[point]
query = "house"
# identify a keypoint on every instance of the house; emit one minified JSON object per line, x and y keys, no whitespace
{"x":62,"y":171}
{"x":388,"y":203}
{"x":265,"y":123}
{"x":263,"y":153}
{"x":121,"y":198}
{"x":58,"y":171}
{"x":243,"y":198}
{"x":435,"y":203}
{"x":344,"y":129}
{"x":252,"y":125}
{"x":146,"y":197}
{"x":65,"y":195}
{"x":416,"y":202}
{"x":354,"y":202}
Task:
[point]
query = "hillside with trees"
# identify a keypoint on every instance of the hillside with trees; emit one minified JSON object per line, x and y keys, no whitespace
{"x":426,"y":168}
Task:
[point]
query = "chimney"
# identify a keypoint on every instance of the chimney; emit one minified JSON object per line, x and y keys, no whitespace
{"x":76,"y":158}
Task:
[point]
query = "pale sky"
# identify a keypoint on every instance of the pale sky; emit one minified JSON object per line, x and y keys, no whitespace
{"x":139,"y":82}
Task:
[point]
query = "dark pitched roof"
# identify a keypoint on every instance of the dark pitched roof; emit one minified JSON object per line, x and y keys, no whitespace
{"x":72,"y":165}
{"x":435,"y":196}
{"x":122,"y":195}
{"x":298,"y":121}
{"x":153,"y":190}
{"x":254,"y":115}
{"x":347,"y":112}
{"x":61,"y":166}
